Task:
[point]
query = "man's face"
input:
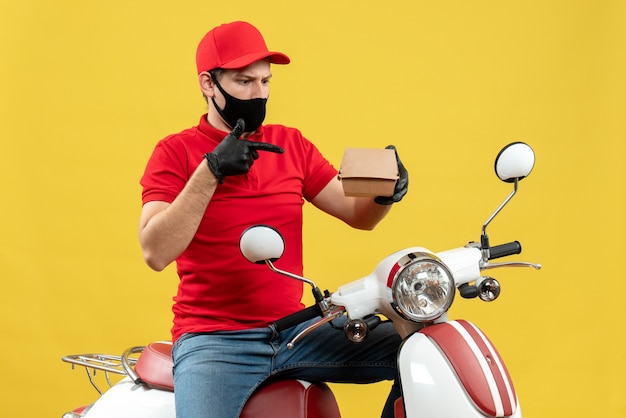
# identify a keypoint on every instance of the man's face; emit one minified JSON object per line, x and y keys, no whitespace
{"x":251,"y":82}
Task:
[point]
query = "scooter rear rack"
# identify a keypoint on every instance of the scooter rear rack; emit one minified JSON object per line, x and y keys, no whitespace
{"x":103,"y":362}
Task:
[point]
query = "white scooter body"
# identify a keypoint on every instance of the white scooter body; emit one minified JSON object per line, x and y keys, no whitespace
{"x":448,"y":368}
{"x":129,"y":400}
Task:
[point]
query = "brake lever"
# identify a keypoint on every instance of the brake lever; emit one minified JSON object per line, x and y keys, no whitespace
{"x":487,"y":266}
{"x":333,"y":313}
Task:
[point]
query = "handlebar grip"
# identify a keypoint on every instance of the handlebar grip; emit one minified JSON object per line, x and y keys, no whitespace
{"x":296,"y":318}
{"x":503,"y":250}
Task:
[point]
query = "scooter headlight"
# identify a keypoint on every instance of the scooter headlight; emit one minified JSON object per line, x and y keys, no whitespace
{"x":423,"y":287}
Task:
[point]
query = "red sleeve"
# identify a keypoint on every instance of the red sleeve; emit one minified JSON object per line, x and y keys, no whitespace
{"x":166,"y":173}
{"x":319,"y":173}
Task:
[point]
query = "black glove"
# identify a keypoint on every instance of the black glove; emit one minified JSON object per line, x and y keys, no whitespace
{"x":402,"y":185}
{"x":235,"y":156}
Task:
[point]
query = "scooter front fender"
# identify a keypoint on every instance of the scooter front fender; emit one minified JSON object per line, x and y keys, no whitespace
{"x":452,"y":370}
{"x":128,"y":400}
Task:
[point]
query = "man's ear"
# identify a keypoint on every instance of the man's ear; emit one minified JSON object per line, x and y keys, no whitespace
{"x":206,"y":83}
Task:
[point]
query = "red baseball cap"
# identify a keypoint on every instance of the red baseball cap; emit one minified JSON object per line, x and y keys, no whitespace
{"x":234,"y":45}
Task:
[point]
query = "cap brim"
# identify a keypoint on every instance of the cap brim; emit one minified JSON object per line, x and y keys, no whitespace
{"x":244,"y":61}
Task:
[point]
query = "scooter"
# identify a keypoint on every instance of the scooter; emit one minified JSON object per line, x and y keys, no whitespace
{"x":447,"y":368}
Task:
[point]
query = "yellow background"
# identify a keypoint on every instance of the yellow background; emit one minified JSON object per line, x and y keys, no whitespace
{"x":88,"y":87}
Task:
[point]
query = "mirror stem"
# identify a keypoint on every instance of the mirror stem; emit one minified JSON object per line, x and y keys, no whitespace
{"x":502,"y":205}
{"x":286,"y":273}
{"x":317,"y":294}
{"x":484,"y":238}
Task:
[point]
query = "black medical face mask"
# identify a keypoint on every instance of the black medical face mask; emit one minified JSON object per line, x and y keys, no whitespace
{"x":252,"y":111}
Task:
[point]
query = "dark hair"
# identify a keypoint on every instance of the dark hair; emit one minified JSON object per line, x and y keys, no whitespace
{"x":216,"y":73}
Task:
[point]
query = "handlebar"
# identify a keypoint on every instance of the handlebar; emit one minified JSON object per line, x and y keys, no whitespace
{"x":296,"y":318}
{"x":503,"y":250}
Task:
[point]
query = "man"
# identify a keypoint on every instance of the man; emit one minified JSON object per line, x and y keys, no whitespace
{"x":202,"y":188}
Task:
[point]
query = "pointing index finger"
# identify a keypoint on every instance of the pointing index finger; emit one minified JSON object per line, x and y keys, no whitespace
{"x":264,"y":146}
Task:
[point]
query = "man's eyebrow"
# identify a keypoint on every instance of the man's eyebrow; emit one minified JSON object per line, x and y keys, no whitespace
{"x":248,"y":77}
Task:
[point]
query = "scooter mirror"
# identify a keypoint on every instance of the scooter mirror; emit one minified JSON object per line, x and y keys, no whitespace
{"x":515,"y":161}
{"x":260,"y":243}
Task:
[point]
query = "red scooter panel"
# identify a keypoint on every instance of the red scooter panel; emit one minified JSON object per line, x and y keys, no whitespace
{"x":477,"y":364}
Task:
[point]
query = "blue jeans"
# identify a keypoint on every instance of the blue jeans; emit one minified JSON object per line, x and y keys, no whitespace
{"x":215,"y":373}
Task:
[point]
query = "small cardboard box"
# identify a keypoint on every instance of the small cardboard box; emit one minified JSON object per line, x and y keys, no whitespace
{"x":367,"y":172}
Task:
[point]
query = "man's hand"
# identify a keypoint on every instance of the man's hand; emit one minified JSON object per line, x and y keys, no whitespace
{"x":234,"y":156}
{"x":402,"y":185}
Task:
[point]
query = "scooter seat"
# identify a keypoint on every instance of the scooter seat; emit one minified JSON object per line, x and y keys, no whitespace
{"x":277,"y":399}
{"x":154,"y":365}
{"x":292,"y":399}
